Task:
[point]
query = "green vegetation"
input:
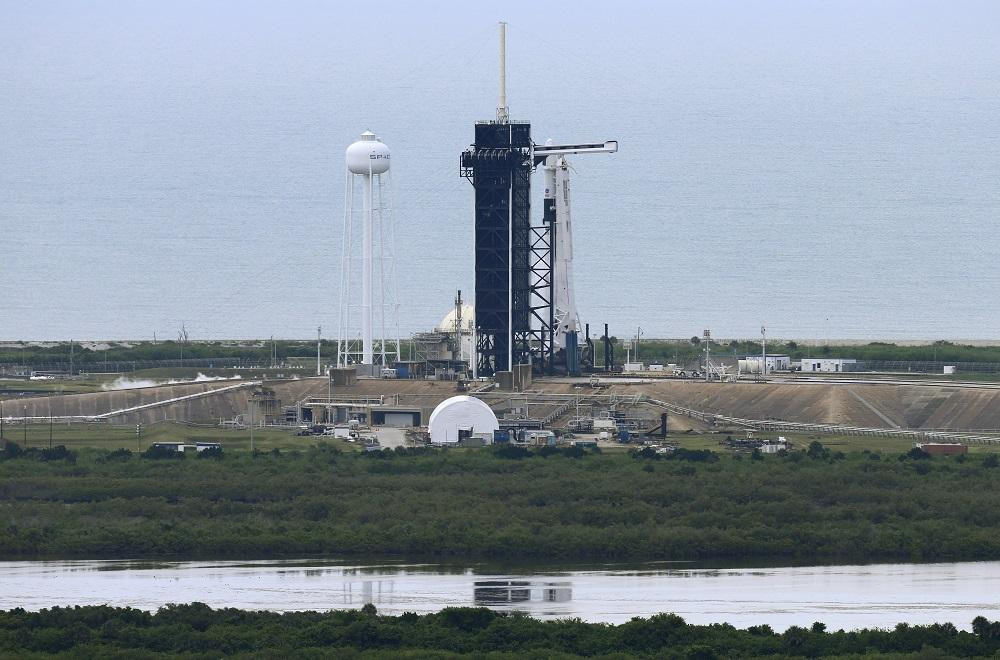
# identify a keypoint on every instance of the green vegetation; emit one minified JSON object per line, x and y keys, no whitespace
{"x":819,"y":505}
{"x":103,"y":436}
{"x":678,"y":351}
{"x":83,"y":357}
{"x":198,"y":631}
{"x":940,"y":351}
{"x":86,"y":358}
{"x":31,"y":387}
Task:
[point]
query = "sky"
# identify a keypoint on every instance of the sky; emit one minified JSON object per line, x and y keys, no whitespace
{"x":827,"y":167}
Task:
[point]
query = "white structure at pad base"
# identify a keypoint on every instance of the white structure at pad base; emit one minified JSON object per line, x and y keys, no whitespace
{"x":751,"y":364}
{"x":459,"y":417}
{"x":367,"y":248}
{"x":829,"y":365}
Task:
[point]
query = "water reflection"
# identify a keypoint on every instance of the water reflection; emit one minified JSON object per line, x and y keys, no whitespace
{"x":496,"y":592}
{"x":841,"y":596}
{"x":504,"y":592}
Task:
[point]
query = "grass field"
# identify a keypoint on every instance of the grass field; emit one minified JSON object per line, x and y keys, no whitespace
{"x":51,"y":386}
{"x":96,"y":382}
{"x":844,"y":443}
{"x":102,"y":436}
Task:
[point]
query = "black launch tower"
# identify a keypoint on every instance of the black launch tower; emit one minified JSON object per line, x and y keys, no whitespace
{"x":499,"y":166}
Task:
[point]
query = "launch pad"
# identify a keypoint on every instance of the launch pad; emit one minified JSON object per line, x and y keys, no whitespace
{"x":525,"y":309}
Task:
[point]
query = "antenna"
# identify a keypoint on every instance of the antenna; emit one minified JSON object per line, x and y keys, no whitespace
{"x":502,"y":114}
{"x":763,"y":351}
{"x":458,"y":324}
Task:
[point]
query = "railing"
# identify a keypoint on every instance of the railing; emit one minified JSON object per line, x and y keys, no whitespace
{"x":125,"y":366}
{"x":928,"y":366}
{"x":827,"y":429}
{"x":342,"y":400}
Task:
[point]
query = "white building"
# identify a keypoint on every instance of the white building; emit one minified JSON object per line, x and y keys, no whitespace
{"x":466,"y":330}
{"x":459,"y":418}
{"x":751,"y":364}
{"x":829,"y":365}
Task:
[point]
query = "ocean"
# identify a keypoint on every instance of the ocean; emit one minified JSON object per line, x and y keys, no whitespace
{"x":826,"y":169}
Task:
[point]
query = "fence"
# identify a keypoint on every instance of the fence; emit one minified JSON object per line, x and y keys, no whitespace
{"x":827,"y":429}
{"x":125,"y":366}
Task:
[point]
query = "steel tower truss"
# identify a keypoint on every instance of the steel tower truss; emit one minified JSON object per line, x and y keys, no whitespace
{"x":499,"y":166}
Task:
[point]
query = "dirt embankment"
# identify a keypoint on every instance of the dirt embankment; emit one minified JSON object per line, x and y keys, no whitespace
{"x":880,"y":406}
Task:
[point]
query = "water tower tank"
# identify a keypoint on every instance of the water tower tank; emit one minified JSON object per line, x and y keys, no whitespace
{"x":368,"y":155}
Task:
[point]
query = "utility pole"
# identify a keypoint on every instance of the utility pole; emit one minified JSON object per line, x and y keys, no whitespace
{"x":24,"y":421}
{"x":707,"y":336}
{"x":319,"y":342}
{"x":182,"y":338}
{"x":250,"y":413}
{"x":458,"y":324}
{"x":70,"y":358}
{"x":638,"y":332}
{"x":763,"y":351}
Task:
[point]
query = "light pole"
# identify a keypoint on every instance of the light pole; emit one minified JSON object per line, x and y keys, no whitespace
{"x":763,"y":351}
{"x":250,"y":414}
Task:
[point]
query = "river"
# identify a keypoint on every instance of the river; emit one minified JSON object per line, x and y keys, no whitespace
{"x":849,"y":597}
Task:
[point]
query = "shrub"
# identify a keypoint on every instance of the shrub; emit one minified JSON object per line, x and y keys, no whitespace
{"x":158,"y":452}
{"x":510,"y":451}
{"x":817,"y":450}
{"x":694,"y":455}
{"x":116,"y":456}
{"x":915,"y":454}
{"x":57,"y":453}
{"x":646,"y":452}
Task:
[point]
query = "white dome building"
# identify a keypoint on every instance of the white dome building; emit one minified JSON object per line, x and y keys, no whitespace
{"x":447,"y":324}
{"x":461,"y":417}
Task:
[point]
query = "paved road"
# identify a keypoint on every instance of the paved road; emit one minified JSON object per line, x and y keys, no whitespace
{"x":390,"y":438}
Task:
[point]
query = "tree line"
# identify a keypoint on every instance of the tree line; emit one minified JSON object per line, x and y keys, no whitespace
{"x":546,"y":505}
{"x":652,"y":350}
{"x":196,"y":630}
{"x":940,"y":351}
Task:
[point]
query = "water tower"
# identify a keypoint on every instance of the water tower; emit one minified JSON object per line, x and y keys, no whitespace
{"x":369,"y":324}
